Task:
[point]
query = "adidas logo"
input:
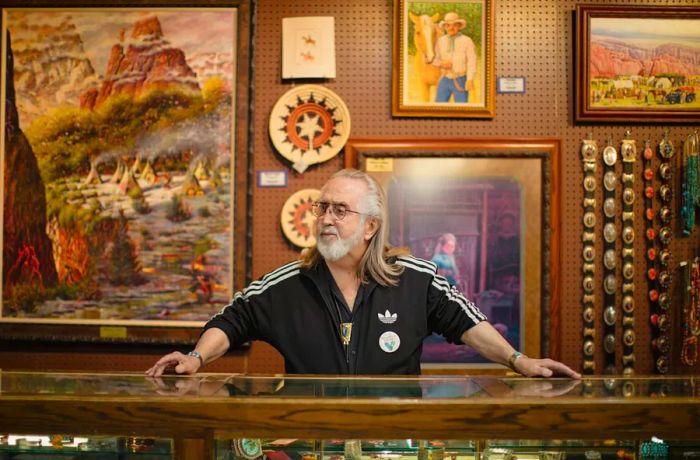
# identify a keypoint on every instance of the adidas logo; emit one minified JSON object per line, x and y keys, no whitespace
{"x":387,"y":318}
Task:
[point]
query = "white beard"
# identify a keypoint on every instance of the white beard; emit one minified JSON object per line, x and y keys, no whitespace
{"x":338,"y":248}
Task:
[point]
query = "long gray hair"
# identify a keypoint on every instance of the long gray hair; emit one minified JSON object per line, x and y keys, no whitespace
{"x":375,"y":261}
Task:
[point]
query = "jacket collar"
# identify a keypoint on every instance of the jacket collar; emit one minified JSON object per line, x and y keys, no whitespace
{"x":319,"y":275}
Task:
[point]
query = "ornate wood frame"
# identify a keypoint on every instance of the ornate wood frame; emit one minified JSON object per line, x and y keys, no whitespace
{"x":544,"y":336}
{"x":667,"y":106}
{"x":167,"y":332}
{"x":403,"y":104}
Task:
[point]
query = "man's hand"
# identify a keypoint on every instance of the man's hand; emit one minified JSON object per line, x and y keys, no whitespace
{"x":531,"y":367}
{"x":177,"y":362}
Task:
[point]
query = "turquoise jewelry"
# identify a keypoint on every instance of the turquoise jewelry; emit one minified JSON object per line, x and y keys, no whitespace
{"x":690,"y":185}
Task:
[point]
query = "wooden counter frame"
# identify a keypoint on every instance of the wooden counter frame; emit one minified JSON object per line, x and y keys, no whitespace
{"x":633,"y":410}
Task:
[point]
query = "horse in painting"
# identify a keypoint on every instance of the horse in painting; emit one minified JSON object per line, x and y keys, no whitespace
{"x":426,"y":33}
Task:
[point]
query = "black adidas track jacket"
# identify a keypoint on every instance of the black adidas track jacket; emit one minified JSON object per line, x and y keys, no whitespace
{"x":292,"y":309}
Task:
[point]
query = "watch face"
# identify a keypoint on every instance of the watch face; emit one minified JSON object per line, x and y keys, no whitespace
{"x":588,"y":253}
{"x":609,"y":155}
{"x":610,"y":181}
{"x":589,"y":219}
{"x":588,"y":348}
{"x":628,"y":337}
{"x":588,"y":314}
{"x":588,"y":284}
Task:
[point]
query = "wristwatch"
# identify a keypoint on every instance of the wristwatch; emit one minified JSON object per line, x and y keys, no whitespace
{"x":198,"y":355}
{"x":513,"y":358}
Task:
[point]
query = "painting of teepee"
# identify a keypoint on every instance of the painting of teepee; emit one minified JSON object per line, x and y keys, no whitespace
{"x":118,"y":165}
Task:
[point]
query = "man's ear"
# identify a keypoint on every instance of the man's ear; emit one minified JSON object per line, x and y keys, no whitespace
{"x":371,"y":227}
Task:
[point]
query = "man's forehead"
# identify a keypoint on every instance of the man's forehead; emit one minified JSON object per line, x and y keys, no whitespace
{"x":343,"y":189}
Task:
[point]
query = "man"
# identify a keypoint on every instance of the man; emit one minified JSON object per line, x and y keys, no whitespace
{"x":352,"y":304}
{"x":455,"y":55}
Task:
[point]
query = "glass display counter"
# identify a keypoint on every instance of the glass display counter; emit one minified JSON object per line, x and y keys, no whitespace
{"x":336,"y":418}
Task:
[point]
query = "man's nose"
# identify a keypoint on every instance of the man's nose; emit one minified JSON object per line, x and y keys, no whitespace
{"x":327,"y":216}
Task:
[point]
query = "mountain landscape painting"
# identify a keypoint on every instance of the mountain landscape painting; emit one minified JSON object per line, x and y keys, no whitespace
{"x":644,"y":63}
{"x":118,"y":164}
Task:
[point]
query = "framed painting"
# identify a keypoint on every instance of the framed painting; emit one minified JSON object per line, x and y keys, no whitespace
{"x":124,"y":159}
{"x":637,"y":63}
{"x":487,"y":213}
{"x":443,"y":59}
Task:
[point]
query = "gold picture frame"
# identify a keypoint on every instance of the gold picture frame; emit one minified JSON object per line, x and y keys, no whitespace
{"x":433,"y":76}
{"x":521,"y":177}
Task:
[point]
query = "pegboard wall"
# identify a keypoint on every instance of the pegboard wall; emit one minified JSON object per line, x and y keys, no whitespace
{"x":533,"y":39}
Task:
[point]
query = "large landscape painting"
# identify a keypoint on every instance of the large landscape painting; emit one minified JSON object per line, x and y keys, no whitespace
{"x":118,"y":171}
{"x":638,"y":63}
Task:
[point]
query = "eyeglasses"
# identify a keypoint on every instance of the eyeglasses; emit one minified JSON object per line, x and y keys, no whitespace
{"x":338,"y":210}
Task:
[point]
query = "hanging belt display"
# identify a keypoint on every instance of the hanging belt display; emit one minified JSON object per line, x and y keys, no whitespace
{"x":589,"y":152}
{"x":610,"y":232}
{"x":659,"y":341}
{"x":628,"y":151}
{"x":690,"y":195}
{"x":660,"y":320}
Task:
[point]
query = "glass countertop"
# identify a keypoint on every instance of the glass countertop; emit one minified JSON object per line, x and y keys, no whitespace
{"x":15,"y":384}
